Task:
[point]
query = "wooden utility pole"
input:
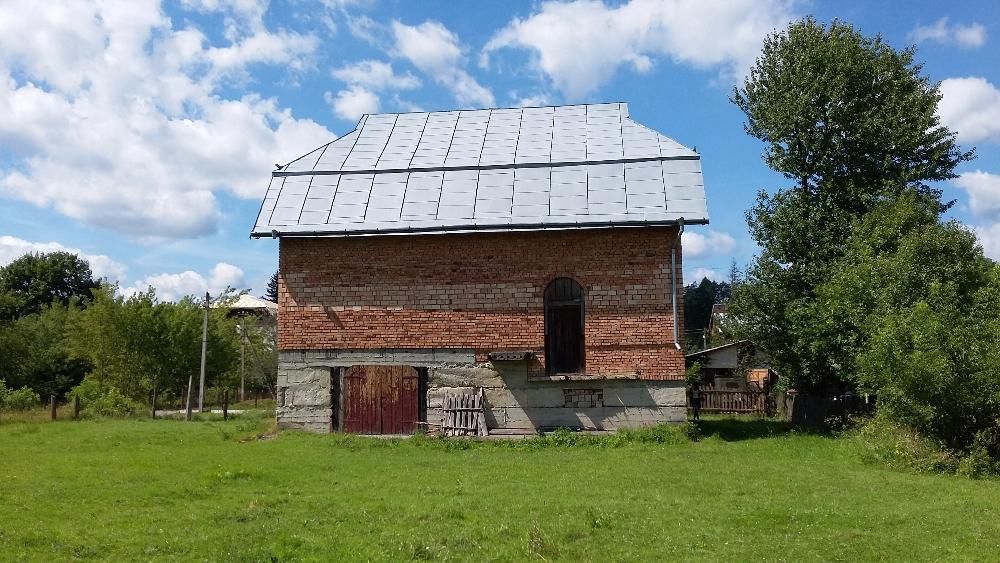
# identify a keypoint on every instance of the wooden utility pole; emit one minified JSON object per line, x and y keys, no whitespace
{"x":204,"y":353}
{"x":243,"y":358}
{"x":187,"y":415}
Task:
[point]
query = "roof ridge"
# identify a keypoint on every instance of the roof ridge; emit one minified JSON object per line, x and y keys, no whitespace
{"x":623,"y":105}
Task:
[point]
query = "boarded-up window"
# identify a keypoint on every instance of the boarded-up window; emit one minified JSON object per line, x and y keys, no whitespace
{"x":564,"y":351}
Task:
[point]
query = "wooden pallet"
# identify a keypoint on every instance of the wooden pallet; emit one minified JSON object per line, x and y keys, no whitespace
{"x":464,"y":414}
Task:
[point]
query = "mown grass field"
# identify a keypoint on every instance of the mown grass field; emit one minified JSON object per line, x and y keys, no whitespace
{"x":170,"y":490}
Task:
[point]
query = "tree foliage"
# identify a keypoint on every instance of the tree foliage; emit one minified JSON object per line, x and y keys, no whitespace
{"x":853,"y":122}
{"x":272,"y":288}
{"x":698,"y":301}
{"x":74,"y":336}
{"x":139,"y":345}
{"x":34,"y":281}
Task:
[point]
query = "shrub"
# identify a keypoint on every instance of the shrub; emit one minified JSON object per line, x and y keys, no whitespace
{"x":112,"y":404}
{"x":20,"y":399}
{"x":89,"y":390}
{"x":883,"y":441}
{"x":98,"y":400}
{"x":980,"y":461}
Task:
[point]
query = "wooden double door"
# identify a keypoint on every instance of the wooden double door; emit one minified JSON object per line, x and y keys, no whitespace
{"x":380,"y":399}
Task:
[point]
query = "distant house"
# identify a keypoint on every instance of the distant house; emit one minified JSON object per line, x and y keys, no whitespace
{"x":718,"y":319}
{"x":247,"y":304}
{"x":736,"y":365}
{"x":530,"y":255}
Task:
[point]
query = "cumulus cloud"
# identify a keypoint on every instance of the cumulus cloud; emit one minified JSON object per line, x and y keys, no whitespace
{"x":365,"y":80}
{"x":117,"y":118}
{"x":353,"y":102}
{"x":984,"y":192}
{"x":989,"y":237}
{"x":101,"y":265}
{"x":942,"y":31}
{"x":436,"y":51}
{"x":696,"y":275}
{"x":171,"y":287}
{"x":714,"y":243}
{"x":971,"y":107}
{"x":376,"y":75}
{"x":580,"y":45}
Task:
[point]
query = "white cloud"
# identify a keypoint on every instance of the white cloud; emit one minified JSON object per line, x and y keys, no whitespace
{"x":171,"y":287}
{"x":580,"y":45}
{"x":697,"y":274}
{"x":365,"y":80}
{"x":970,"y":36}
{"x":366,"y":29}
{"x":376,"y":75}
{"x":101,"y":265}
{"x":715,"y":243}
{"x":530,"y":100}
{"x":989,"y":237}
{"x":116,"y":118}
{"x":971,"y":107}
{"x":436,"y":51}
{"x":984,"y":192}
{"x":352,"y":103}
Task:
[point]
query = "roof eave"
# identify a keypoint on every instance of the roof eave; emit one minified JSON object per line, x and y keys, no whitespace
{"x":277,"y":233}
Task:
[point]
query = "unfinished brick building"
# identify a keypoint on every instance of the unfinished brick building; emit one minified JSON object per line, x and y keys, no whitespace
{"x":530,"y":253}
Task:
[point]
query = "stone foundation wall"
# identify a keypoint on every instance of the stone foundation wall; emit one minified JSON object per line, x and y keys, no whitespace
{"x":515,"y":400}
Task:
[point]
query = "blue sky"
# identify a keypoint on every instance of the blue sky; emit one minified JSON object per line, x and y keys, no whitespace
{"x":141,"y":134}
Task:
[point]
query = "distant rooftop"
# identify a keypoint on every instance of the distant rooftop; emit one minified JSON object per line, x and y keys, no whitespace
{"x":582,"y":166}
{"x":247,"y":302}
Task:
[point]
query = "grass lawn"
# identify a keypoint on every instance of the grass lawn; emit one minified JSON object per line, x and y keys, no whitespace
{"x":141,"y":490}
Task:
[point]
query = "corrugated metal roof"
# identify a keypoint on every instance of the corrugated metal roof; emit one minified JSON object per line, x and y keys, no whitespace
{"x":492,"y":169}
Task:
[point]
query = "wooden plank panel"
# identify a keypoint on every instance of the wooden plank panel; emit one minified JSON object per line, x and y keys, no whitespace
{"x":381,"y":399}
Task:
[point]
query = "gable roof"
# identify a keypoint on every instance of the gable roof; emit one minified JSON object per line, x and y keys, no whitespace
{"x":581,"y":166}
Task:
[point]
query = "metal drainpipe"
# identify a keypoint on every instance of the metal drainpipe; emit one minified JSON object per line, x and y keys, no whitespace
{"x":673,"y":278}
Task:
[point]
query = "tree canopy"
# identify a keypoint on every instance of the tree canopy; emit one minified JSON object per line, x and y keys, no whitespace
{"x":853,"y":122}
{"x":34,"y":281}
{"x":699,"y":297}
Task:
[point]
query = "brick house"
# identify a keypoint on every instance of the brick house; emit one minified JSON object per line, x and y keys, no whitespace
{"x":531,"y":253}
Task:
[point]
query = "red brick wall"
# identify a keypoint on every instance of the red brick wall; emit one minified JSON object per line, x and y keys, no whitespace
{"x":483,"y":291}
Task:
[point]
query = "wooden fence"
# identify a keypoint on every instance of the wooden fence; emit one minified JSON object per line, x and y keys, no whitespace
{"x":715,"y":400}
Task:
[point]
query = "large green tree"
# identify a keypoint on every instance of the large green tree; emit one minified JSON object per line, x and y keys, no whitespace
{"x":853,"y":123}
{"x":911,"y":313}
{"x":34,"y":281}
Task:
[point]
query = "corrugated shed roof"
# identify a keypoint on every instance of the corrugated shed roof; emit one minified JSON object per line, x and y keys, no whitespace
{"x":492,"y":169}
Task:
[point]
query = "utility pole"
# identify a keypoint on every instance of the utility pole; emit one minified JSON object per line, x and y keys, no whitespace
{"x":243,"y":358}
{"x":187,"y":407}
{"x":204,"y":353}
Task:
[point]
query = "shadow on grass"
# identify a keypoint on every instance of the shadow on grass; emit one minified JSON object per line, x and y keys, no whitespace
{"x":734,"y":428}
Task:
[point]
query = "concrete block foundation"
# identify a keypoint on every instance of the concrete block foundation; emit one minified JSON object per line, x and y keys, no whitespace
{"x":306,"y":391}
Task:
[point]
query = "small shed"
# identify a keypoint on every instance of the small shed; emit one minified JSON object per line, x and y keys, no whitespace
{"x":734,"y":365}
{"x":527,"y":256}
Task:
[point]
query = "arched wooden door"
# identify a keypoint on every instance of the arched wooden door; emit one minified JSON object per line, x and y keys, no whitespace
{"x":564,"y":322}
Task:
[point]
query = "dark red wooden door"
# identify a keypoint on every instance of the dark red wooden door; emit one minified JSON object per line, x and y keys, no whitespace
{"x":381,"y":399}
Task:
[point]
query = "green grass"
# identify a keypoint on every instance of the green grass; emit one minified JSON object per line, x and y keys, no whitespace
{"x":144,"y":490}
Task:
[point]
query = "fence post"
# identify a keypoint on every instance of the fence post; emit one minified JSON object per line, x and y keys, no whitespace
{"x":52,"y":406}
{"x":76,"y":407}
{"x":225,"y":404}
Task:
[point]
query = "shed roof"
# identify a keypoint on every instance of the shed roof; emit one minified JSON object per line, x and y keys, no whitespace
{"x":535,"y":168}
